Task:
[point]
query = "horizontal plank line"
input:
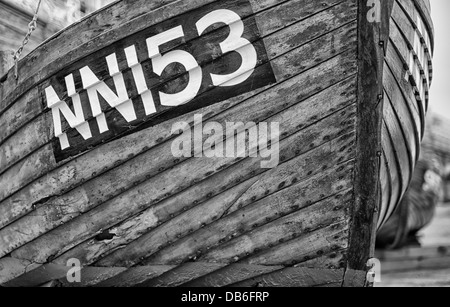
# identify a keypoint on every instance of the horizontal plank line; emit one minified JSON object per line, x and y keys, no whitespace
{"x":100,"y":173}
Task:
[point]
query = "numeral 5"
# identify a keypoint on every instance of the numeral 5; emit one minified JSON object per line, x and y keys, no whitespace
{"x":160,"y":62}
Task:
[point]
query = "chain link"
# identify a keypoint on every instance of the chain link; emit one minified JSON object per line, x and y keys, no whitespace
{"x":31,"y":27}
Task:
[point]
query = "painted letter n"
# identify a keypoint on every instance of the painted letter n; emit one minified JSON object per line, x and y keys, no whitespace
{"x":96,"y":87}
{"x":59,"y":107}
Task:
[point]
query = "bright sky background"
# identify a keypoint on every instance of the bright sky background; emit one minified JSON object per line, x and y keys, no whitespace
{"x":440,"y":89}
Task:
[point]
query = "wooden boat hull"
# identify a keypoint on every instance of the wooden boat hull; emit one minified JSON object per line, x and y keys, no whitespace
{"x":103,"y":187}
{"x":404,"y":110}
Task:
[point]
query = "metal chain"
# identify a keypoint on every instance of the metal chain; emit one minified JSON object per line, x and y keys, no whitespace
{"x":31,"y":27}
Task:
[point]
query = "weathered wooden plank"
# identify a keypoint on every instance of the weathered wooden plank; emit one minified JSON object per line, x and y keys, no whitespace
{"x":386,"y":190}
{"x":400,"y":146}
{"x":67,"y":200}
{"x":26,"y":173}
{"x":419,"y":59}
{"x":151,"y":188}
{"x":5,"y":65}
{"x":15,"y":149}
{"x":400,"y":88}
{"x":182,"y":274}
{"x":354,"y":279}
{"x":23,"y":143}
{"x":409,"y":21}
{"x":91,"y":276}
{"x":424,"y":36}
{"x":38,"y":108}
{"x":158,"y":187}
{"x":5,"y":61}
{"x":38,"y":276}
{"x":52,"y":272}
{"x":329,"y":285}
{"x":178,"y":277}
{"x":255,"y":215}
{"x":297,"y":224}
{"x":134,"y":276}
{"x":268,"y":183}
{"x":323,"y":213}
{"x":23,"y":111}
{"x":103,"y":205}
{"x":206,"y":60}
{"x":92,"y":169}
{"x":247,"y":199}
{"x":173,"y":228}
{"x":332,"y":261}
{"x":334,"y":237}
{"x":110,"y":20}
{"x":262,"y":189}
{"x":258,"y":103}
{"x":295,"y":277}
{"x":11,"y":268}
{"x":393,"y":171}
{"x":190,"y":271}
{"x":19,"y":149}
{"x":370,"y":87}
{"x":231,"y":274}
{"x":420,"y":9}
{"x":106,"y":28}
{"x":410,"y":124}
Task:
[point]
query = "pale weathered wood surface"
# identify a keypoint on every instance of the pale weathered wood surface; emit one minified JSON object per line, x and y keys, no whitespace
{"x":139,"y":198}
{"x":406,"y":86}
{"x":133,"y":173}
{"x":135,"y":215}
{"x":30,"y":138}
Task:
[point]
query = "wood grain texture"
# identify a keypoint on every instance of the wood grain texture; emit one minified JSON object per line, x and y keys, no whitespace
{"x":29,"y":169}
{"x":419,"y":205}
{"x":128,"y":199}
{"x":5,"y":64}
{"x":404,"y":111}
{"x":295,"y":277}
{"x":326,"y":70}
{"x":134,"y":215}
{"x":26,"y":140}
{"x":370,"y":82}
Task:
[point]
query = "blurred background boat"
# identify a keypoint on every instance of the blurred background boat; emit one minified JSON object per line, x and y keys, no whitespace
{"x":447,"y":185}
{"x":428,"y":188}
{"x":437,"y":141}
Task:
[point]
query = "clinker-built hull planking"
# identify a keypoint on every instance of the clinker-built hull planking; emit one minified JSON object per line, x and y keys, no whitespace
{"x":100,"y":183}
{"x":407,"y":62}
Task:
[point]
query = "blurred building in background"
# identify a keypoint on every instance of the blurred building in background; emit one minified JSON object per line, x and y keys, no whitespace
{"x":54,"y":15}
